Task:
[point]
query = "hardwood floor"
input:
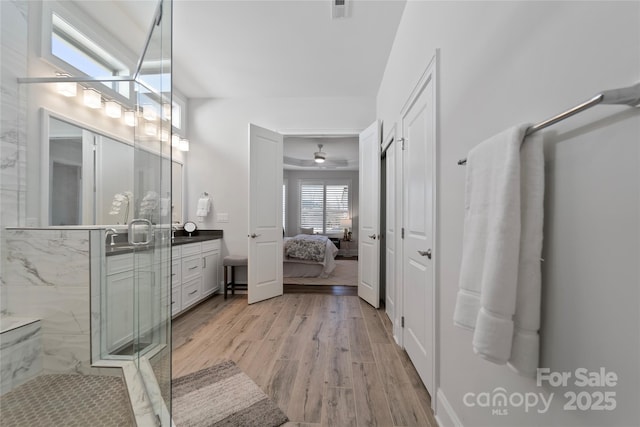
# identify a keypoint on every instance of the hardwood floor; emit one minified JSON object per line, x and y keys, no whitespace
{"x":326,"y":360}
{"x":321,"y":289}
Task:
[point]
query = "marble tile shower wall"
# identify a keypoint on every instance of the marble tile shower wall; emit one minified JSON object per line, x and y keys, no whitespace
{"x":13,"y":63}
{"x":48,"y":278}
{"x":20,"y":355}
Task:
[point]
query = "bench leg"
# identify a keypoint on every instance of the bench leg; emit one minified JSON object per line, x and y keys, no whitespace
{"x":225,"y":282}
{"x":233,"y":280}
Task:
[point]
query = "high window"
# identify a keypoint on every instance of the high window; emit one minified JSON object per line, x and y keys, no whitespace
{"x":323,"y":204}
{"x":76,"y":49}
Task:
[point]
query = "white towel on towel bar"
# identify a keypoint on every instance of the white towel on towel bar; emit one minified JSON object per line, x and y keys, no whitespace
{"x":204,"y":204}
{"x":499,"y":296}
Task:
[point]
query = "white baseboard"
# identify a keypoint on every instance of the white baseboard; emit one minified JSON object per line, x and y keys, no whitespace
{"x":445,"y":415}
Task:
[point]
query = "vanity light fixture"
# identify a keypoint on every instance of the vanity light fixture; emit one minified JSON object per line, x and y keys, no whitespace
{"x":166,"y":111}
{"x":130,"y":118}
{"x":164,"y":135}
{"x":150,"y":129}
{"x":175,"y":140}
{"x":67,"y":89}
{"x":149,"y":112}
{"x":113,"y":109}
{"x":92,"y":98}
{"x":184,"y":144}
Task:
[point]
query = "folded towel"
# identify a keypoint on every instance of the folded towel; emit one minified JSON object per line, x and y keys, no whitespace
{"x":500,"y":270}
{"x":204,"y":204}
{"x":525,"y":348}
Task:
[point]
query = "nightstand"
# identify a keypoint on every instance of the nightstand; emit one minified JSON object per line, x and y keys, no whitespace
{"x":348,"y":248}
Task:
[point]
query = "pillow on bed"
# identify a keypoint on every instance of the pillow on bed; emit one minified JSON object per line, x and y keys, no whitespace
{"x":306,"y":230}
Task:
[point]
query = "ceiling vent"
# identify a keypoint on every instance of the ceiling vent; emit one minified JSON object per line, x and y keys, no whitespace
{"x":338,"y":9}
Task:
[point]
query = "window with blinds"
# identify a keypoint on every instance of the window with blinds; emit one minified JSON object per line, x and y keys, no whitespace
{"x":323,"y":204}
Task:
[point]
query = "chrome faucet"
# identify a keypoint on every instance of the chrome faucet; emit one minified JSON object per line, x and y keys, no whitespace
{"x":173,"y":231}
{"x":111,"y":232}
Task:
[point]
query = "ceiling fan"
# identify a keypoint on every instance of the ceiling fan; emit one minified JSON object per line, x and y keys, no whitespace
{"x":319,"y":159}
{"x":319,"y":156}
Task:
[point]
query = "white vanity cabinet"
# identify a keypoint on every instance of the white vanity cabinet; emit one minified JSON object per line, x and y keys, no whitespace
{"x":127,"y":289}
{"x":210,"y":267}
{"x":176,"y":281}
{"x":130,"y":300}
{"x":119,"y":309}
{"x":195,"y":273}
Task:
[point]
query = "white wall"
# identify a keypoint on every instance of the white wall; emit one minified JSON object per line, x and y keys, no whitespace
{"x":293,"y":178}
{"x":218,"y":159}
{"x":502,"y":63}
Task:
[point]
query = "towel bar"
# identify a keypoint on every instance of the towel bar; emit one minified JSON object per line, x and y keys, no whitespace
{"x":623,"y":96}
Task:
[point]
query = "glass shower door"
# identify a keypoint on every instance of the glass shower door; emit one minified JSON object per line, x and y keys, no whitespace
{"x":151,"y":228}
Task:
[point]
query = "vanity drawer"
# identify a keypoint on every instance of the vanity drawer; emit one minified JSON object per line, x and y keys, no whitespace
{"x":119,"y":263}
{"x":191,"y":292}
{"x":176,"y":276}
{"x":211,"y":245}
{"x":191,"y":249}
{"x":176,"y":301}
{"x":191,"y":267}
{"x":176,"y":252}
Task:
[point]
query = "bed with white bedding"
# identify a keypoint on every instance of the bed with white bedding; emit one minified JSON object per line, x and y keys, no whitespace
{"x":307,"y":255}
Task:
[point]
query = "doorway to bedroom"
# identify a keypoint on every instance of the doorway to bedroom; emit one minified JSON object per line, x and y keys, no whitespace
{"x":320,"y":213}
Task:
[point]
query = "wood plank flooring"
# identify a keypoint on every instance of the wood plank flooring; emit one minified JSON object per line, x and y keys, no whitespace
{"x":326,"y":360}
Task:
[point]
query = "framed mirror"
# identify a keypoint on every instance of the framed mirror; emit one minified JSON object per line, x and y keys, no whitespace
{"x":88,"y":178}
{"x":177,"y":188}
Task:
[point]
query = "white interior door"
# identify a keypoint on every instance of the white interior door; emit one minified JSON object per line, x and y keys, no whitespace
{"x":265,"y":214}
{"x":418,"y":131}
{"x":369,"y":216}
{"x":391,"y":234}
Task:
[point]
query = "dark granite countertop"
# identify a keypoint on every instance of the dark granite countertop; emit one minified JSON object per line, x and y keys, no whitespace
{"x":181,"y":238}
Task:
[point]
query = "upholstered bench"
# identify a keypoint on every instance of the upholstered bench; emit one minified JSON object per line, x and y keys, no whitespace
{"x":232,"y":261}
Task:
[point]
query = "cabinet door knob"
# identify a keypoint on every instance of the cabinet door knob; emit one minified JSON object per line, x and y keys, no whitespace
{"x":254,"y":235}
{"x":373,"y":236}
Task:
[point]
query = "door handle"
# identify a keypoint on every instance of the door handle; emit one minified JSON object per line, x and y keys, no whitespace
{"x":426,"y":253}
{"x":254,"y":235}
{"x":373,"y":236}
{"x":131,"y":233}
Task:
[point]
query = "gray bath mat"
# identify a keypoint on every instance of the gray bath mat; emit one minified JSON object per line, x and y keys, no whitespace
{"x":222,"y":395}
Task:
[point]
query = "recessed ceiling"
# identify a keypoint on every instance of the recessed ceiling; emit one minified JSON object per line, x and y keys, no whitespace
{"x":225,"y":49}
{"x":298,"y":153}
